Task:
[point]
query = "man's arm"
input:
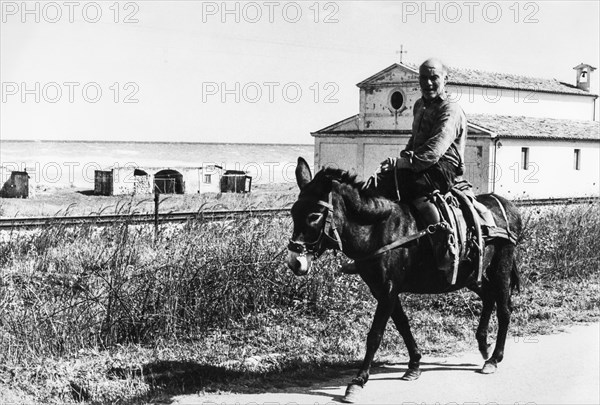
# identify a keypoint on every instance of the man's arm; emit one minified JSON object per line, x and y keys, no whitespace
{"x":409,"y":145}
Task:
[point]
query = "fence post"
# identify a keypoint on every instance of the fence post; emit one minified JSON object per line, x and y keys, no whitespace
{"x":156,"y":196}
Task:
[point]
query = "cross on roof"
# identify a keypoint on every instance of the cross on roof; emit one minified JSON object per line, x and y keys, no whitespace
{"x":401,"y":51}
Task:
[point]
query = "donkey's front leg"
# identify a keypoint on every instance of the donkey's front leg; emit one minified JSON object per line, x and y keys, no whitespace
{"x":385,"y":307}
{"x":401,"y":320}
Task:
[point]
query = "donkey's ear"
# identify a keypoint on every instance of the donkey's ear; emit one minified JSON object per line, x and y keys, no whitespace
{"x":303,"y":174}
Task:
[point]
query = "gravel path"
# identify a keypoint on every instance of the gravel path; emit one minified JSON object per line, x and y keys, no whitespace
{"x":553,"y":369}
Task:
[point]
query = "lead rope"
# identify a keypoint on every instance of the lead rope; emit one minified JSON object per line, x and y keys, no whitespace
{"x":396,"y":182}
{"x":373,"y":180}
{"x":330,"y":218}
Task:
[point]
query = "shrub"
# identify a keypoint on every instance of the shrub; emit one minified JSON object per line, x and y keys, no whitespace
{"x":66,"y":289}
{"x":561,"y":242}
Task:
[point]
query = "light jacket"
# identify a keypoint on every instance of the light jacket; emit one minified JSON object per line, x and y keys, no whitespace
{"x":439,"y":131}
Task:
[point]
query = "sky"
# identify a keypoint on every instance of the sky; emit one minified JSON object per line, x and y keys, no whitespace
{"x":258,"y":72}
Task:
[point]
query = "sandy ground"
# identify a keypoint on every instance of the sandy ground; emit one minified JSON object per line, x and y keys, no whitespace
{"x":53,"y":201}
{"x":555,"y":369}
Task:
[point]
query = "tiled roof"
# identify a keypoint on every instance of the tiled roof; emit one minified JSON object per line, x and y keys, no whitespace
{"x":350,"y":127}
{"x":510,"y":81}
{"x":505,"y":126}
{"x":471,"y":77}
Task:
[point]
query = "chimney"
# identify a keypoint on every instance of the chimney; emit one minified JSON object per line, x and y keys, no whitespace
{"x":583,"y":76}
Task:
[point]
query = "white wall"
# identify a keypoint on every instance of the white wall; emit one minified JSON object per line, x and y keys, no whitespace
{"x":551,"y":172}
{"x":377,"y":150}
{"x":377,"y":112}
{"x":195,"y":181}
{"x":214,"y":186}
{"x":550,"y":175}
{"x":363,"y":155}
{"x":193,"y":178}
{"x":480,"y":100}
{"x":477,"y":156}
{"x":125,"y":183}
{"x":339,"y":152}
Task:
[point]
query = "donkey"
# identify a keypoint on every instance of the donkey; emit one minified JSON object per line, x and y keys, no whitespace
{"x":334,"y":211}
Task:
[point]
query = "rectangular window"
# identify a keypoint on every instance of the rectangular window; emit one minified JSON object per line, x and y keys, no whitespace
{"x":525,"y":158}
{"x":208,"y":178}
{"x":577,"y":159}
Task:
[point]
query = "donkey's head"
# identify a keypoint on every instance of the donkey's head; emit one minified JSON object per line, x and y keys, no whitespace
{"x":312,"y":215}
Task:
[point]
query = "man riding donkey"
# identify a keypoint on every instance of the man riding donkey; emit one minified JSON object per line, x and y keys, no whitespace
{"x":435,"y":202}
{"x":433,"y":160}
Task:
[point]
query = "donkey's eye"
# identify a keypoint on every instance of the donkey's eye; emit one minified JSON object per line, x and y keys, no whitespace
{"x":314,"y":217}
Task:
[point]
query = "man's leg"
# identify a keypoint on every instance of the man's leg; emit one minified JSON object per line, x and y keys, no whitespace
{"x":429,"y":213}
{"x":417,"y":188}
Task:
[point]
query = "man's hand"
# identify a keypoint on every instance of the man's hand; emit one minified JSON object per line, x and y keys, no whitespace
{"x":387,"y":164}
{"x":404,"y":163}
{"x":399,"y":163}
{"x":407,"y":154}
{"x":405,"y":160}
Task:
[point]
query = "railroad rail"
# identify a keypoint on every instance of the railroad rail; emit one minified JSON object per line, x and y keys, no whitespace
{"x":555,"y":201}
{"x":214,"y":215}
{"x":172,"y":217}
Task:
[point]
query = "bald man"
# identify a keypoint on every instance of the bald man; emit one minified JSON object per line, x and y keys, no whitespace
{"x":434,"y":155}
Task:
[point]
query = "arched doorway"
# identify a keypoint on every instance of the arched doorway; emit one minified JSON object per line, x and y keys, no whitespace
{"x":169,"y":181}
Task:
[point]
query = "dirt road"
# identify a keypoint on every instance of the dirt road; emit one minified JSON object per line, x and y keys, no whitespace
{"x":553,"y":369}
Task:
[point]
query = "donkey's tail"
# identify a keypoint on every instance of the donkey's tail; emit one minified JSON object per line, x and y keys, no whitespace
{"x":515,"y":277}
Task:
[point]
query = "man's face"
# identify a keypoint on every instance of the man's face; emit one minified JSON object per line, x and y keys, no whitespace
{"x":432,"y":80}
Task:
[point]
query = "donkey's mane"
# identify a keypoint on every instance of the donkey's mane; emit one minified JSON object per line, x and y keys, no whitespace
{"x":368,"y":204}
{"x":343,"y":176}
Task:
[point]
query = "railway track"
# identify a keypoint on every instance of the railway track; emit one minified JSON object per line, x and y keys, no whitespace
{"x":173,"y":217}
{"x":555,"y":201}
{"x":216,"y":215}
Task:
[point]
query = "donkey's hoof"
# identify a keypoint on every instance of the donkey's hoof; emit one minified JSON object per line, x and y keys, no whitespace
{"x":352,"y":393}
{"x":485,"y":352}
{"x":489,"y":367}
{"x":411,"y":374}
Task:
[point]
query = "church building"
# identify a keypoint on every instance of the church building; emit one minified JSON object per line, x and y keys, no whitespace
{"x":527,"y":137}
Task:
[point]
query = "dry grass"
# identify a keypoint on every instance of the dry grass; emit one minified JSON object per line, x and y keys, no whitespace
{"x":106,"y":315}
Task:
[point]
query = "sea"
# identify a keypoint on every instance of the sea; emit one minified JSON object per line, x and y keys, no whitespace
{"x":73,"y":163}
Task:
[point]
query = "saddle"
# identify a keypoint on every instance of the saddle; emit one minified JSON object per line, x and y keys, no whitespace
{"x":466,"y":226}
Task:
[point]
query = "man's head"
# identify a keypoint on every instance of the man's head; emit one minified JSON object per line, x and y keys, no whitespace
{"x":432,"y":78}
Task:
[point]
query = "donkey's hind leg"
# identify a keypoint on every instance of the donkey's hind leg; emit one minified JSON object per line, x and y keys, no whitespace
{"x":487,"y":296}
{"x":401,"y":321}
{"x":501,"y":285}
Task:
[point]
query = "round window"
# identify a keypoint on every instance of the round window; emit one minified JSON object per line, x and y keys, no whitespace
{"x":397,"y":100}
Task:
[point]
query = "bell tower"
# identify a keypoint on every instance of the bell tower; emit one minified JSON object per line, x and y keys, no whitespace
{"x":583,"y":76}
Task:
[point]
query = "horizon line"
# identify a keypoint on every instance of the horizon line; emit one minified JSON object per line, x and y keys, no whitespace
{"x":155,"y":142}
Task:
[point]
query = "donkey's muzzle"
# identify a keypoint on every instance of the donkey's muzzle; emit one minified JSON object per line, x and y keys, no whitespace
{"x":299,"y":263}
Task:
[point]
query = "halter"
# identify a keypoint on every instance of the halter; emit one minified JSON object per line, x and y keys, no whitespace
{"x":315,"y":246}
